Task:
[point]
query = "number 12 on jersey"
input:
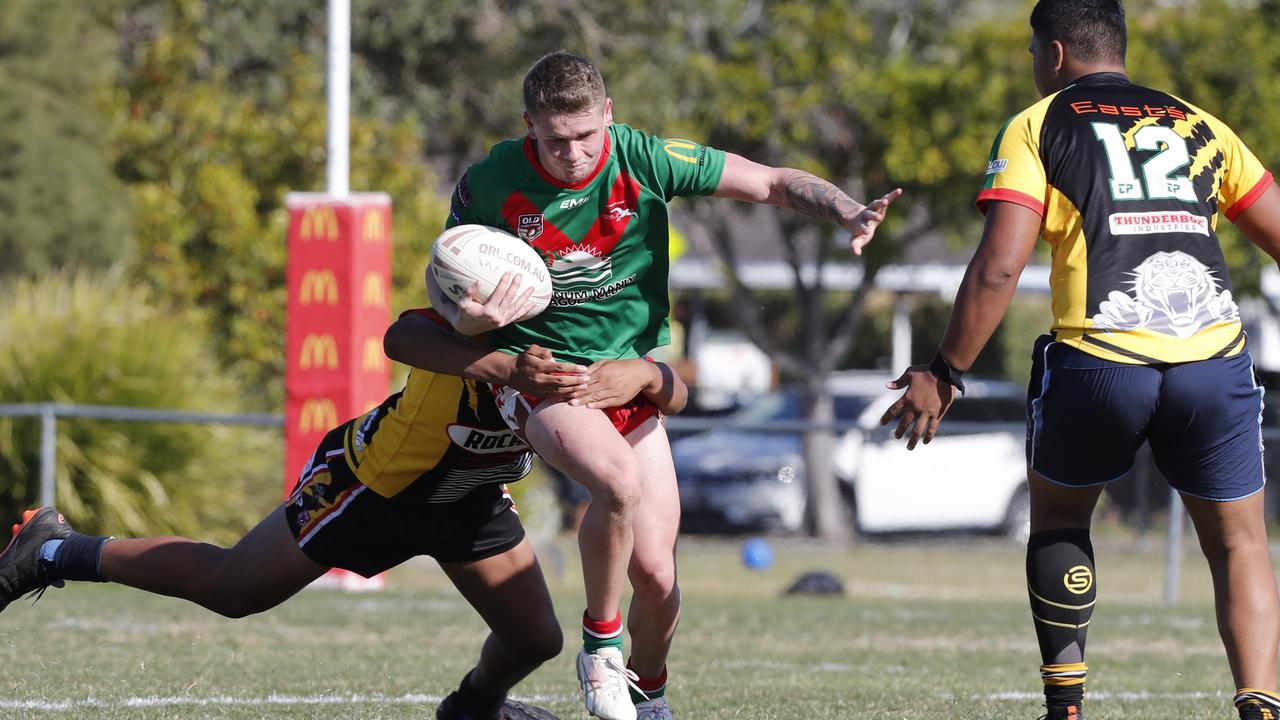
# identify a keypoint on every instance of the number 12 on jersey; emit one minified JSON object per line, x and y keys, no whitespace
{"x":1157,"y":172}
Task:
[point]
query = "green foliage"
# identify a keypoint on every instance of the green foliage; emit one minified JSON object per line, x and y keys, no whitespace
{"x":97,"y":340}
{"x":59,"y":203}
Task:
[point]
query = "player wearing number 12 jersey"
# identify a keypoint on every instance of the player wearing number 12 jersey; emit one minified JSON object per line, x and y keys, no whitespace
{"x":1125,"y":183}
{"x":591,"y":196}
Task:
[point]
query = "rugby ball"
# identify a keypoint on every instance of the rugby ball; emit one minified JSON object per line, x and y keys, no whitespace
{"x":467,"y":255}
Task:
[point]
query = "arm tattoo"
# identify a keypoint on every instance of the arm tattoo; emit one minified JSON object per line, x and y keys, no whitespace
{"x":811,"y":195}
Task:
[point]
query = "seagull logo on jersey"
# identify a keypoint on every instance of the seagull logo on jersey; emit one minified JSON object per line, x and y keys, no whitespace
{"x":1173,"y":293}
{"x":619,"y":211}
{"x":529,"y":226}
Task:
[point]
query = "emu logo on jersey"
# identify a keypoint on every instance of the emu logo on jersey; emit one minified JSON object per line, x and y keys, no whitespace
{"x":1078,"y":580}
{"x":1173,"y":293}
{"x":572,"y":203}
{"x":485,"y":442}
{"x":529,"y":227}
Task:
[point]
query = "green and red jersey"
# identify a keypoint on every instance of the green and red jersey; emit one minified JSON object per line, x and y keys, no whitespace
{"x":605,"y":239}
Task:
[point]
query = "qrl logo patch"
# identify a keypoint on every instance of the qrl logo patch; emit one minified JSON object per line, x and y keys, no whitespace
{"x":1078,"y":580}
{"x":529,"y":227}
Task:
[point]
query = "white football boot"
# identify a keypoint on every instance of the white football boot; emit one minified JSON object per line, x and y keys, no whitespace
{"x":604,"y":677}
{"x":655,"y":709}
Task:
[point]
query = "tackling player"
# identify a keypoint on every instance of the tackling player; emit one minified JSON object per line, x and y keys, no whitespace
{"x":590,"y":195}
{"x":1125,"y":183}
{"x":421,"y":474}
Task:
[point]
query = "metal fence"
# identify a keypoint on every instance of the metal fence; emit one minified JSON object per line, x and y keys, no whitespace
{"x":50,"y":413}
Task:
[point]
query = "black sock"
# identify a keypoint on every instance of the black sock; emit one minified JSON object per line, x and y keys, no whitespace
{"x":480,"y":707}
{"x":1060,"y":584}
{"x":79,"y":557}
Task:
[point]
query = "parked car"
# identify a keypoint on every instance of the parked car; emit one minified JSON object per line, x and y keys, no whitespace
{"x":972,"y":476}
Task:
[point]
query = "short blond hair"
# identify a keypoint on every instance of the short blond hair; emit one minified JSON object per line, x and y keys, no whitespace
{"x":562,"y":82}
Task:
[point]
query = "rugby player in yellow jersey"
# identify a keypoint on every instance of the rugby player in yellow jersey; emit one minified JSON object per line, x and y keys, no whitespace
{"x":421,"y":474}
{"x":1125,"y":183}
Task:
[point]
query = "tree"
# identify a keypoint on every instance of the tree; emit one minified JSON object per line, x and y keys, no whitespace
{"x":59,"y":203}
{"x":865,"y":96}
{"x":208,"y":165}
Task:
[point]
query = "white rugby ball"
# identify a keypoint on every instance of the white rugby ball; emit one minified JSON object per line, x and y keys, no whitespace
{"x":478,"y":254}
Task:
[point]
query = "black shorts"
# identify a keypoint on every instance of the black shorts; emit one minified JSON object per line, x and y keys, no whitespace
{"x":340,"y":522}
{"x":1087,"y":417}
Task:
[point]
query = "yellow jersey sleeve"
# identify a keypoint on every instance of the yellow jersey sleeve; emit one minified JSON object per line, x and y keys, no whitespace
{"x":1244,"y":179}
{"x":1015,"y":170}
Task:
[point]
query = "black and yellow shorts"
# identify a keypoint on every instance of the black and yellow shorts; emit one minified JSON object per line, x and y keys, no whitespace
{"x":339,"y":522}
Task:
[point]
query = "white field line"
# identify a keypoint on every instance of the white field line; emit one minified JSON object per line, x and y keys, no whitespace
{"x":1107,"y":695}
{"x":153,"y":701}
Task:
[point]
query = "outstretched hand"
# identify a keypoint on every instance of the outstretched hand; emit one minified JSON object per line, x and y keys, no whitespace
{"x":921,"y":407}
{"x":865,"y":223}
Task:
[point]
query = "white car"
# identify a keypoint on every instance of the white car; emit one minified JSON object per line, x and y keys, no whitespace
{"x":971,"y":477}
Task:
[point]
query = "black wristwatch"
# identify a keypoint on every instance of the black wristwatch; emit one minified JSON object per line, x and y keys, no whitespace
{"x":943,"y":370}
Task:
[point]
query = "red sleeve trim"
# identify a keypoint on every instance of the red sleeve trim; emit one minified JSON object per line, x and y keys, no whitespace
{"x":430,"y":314}
{"x":1007,"y":195}
{"x":1250,"y":197}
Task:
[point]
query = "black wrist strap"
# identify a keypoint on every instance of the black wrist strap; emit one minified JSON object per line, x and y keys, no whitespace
{"x":943,"y":370}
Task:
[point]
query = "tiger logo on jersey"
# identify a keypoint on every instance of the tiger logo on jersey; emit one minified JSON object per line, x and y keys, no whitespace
{"x":1173,"y":293}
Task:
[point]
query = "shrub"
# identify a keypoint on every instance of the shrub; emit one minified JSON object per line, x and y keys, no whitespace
{"x":94,"y":339}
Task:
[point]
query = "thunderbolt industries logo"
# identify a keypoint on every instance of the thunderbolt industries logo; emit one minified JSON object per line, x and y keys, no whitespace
{"x":319,"y":223}
{"x":1078,"y":580}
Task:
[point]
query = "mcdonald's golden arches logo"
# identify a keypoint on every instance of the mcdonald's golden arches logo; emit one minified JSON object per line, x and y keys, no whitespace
{"x":374,"y":228}
{"x":374,"y":359}
{"x":319,"y":286}
{"x":319,"y":223}
{"x":319,"y":351}
{"x":374,"y":292}
{"x":318,"y":415}
{"x":681,"y":150}
{"x":1078,"y":580}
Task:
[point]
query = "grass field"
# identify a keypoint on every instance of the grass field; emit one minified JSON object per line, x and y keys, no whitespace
{"x":928,"y":629}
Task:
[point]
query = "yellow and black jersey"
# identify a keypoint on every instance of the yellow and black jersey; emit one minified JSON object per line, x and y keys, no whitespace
{"x":436,"y":440}
{"x":1129,"y":182}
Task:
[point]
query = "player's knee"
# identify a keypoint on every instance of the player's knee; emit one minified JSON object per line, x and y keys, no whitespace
{"x":224,"y":592}
{"x":542,"y":641}
{"x":620,"y":491}
{"x":654,"y":584}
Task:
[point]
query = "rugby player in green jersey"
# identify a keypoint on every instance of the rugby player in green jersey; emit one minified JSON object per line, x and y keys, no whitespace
{"x":591,"y":196}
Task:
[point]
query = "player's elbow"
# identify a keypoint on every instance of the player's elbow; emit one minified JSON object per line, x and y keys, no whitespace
{"x":998,"y":277}
{"x":392,"y":343}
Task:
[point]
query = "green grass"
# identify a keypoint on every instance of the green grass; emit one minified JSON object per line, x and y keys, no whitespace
{"x":928,"y":629}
